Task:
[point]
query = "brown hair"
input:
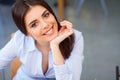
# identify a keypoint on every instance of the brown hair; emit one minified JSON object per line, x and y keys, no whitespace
{"x":19,"y":10}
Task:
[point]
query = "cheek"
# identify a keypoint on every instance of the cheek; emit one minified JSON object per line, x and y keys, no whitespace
{"x":52,"y":19}
{"x":55,"y":23}
{"x":36,"y":33}
{"x":33,"y":33}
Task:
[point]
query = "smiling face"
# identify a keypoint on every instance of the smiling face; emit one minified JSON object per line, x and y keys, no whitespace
{"x":41,"y":24}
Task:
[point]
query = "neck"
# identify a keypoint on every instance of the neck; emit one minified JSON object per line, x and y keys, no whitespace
{"x":43,"y":47}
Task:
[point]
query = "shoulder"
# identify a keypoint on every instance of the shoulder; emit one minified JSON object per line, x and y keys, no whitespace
{"x":18,"y":34}
{"x":22,"y":41}
{"x":22,"y":38}
{"x":78,"y":35}
{"x":78,"y":45}
{"x":18,"y":37}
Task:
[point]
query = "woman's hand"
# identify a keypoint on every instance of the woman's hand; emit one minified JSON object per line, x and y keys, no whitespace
{"x":65,"y":31}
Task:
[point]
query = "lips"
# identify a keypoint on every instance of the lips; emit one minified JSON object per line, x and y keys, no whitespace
{"x":49,"y":32}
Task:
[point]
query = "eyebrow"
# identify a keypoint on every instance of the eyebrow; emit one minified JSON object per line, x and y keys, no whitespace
{"x":32,"y":22}
{"x":35,"y":19}
{"x":44,"y":12}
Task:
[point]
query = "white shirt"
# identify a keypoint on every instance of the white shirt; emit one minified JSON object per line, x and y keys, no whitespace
{"x":31,"y":69}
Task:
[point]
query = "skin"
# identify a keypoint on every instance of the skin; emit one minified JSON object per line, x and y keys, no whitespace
{"x":42,"y":26}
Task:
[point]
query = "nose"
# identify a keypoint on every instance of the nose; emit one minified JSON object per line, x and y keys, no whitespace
{"x":44,"y":24}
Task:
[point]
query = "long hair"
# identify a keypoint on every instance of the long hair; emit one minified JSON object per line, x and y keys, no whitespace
{"x":19,"y":10}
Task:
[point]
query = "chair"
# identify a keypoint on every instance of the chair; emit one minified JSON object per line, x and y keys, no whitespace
{"x":117,"y":73}
{"x":15,"y":64}
{"x":79,"y":4}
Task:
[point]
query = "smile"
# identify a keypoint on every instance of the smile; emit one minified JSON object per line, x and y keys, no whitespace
{"x":49,"y":32}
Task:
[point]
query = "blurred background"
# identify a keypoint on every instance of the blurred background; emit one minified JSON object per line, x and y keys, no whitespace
{"x":98,"y":20}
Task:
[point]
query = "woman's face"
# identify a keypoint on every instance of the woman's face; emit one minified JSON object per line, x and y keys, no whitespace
{"x":41,"y":24}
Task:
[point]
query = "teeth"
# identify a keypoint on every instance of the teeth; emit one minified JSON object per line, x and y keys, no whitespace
{"x":49,"y":32}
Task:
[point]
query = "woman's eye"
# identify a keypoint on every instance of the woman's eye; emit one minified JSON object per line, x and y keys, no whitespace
{"x":34,"y":24}
{"x":46,"y":14}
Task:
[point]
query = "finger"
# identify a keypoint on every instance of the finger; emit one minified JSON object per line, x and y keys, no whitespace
{"x":65,"y":35}
{"x":66,"y":31}
{"x":63,"y":23}
{"x":67,"y":25}
{"x":62,"y":29}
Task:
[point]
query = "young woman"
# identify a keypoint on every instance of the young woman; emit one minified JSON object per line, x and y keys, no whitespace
{"x":46,"y":48}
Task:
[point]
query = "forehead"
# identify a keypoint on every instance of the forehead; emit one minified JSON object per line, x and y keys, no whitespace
{"x":34,"y":12}
{"x":36,"y":8}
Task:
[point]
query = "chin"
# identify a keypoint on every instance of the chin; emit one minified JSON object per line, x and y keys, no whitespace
{"x":52,"y":38}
